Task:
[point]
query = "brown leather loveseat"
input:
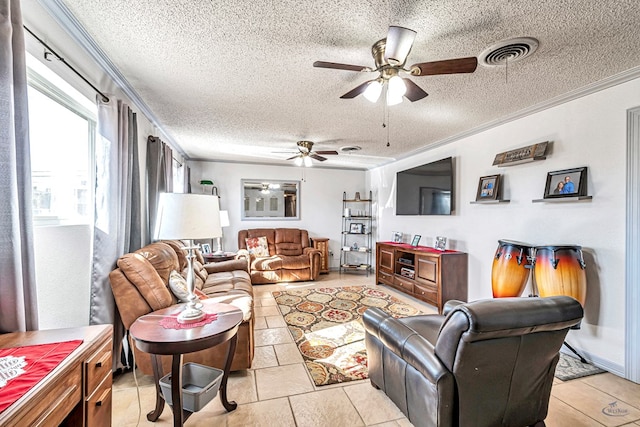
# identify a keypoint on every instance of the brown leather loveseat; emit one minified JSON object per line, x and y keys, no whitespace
{"x":287,"y":257}
{"x":140,"y":285}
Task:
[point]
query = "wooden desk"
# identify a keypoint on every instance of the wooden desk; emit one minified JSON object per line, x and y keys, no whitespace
{"x":77,"y":392}
{"x":153,"y":338}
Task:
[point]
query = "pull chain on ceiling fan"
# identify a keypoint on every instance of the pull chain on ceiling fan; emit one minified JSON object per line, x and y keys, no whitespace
{"x":390,"y":55}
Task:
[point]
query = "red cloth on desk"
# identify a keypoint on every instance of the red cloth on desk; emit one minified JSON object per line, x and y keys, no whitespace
{"x":40,"y":360}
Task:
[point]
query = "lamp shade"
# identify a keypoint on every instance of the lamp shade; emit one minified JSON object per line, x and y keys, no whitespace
{"x":399,"y":42}
{"x":188,"y":216}
{"x":373,"y":91}
{"x":224,"y":219}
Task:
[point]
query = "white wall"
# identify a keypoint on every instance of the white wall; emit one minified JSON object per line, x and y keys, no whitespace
{"x":320,"y":197}
{"x":590,"y":131}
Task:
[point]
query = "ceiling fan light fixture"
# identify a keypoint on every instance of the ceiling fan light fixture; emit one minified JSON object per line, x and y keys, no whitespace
{"x":399,"y":42}
{"x":307,"y":161}
{"x":298,"y":161}
{"x":393,"y":100}
{"x":373,"y":91}
{"x":396,"y":87}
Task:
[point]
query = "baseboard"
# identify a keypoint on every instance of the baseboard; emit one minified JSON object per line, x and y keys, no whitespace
{"x":600,"y":362}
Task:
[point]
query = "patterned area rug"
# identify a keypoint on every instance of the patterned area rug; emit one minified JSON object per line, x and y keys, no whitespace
{"x":570,"y":368}
{"x":326,"y":324}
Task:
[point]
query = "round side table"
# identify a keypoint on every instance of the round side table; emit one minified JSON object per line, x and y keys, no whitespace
{"x":151,"y":337}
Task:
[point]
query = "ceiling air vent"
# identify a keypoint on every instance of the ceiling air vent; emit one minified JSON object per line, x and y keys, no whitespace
{"x":508,"y":51}
{"x":350,"y":148}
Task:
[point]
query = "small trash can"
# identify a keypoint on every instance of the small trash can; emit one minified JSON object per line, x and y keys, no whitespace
{"x":200,"y":385}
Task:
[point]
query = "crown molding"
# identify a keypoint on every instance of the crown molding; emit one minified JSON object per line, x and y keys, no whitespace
{"x":63,"y":16}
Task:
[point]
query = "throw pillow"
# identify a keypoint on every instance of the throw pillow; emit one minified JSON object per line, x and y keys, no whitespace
{"x":258,"y":246}
{"x":178,"y":286}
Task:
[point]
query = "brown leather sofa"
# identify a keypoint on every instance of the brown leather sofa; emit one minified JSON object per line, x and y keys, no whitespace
{"x":140,"y":286}
{"x":487,"y":363}
{"x":291,"y":257}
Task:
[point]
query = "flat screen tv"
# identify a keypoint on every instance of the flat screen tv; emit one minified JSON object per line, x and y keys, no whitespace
{"x":426,"y":189}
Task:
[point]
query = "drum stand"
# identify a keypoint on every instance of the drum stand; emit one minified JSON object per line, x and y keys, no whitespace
{"x":534,"y":293}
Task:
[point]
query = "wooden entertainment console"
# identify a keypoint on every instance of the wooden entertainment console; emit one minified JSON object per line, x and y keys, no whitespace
{"x":427,"y":274}
{"x":77,"y":392}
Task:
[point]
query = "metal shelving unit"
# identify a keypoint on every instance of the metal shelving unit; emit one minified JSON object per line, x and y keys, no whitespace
{"x":357,"y":221}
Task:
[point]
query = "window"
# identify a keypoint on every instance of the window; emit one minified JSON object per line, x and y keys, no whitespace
{"x":62,"y":125}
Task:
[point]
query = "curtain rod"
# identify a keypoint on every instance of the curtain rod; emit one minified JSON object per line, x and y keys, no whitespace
{"x":104,"y":97}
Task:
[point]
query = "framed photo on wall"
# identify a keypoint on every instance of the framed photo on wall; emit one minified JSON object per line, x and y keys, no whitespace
{"x":566,"y":183}
{"x":488,"y":188}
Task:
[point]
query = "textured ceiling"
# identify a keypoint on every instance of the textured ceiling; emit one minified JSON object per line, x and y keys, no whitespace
{"x":234,"y":80}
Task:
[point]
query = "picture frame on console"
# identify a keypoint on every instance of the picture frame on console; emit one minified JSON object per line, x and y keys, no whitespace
{"x":440,"y":243}
{"x":206,"y":248}
{"x":488,"y":188}
{"x":416,"y":240}
{"x":566,"y":183}
{"x":397,"y":237}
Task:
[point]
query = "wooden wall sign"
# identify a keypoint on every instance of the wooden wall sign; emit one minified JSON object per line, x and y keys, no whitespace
{"x":521,"y":155}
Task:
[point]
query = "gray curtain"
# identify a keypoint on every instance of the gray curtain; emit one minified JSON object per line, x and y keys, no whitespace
{"x":18,"y":299}
{"x":117,"y":227}
{"x":159,"y":178}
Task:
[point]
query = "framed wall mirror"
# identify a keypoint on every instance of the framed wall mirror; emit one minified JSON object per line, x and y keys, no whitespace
{"x":270,"y":199}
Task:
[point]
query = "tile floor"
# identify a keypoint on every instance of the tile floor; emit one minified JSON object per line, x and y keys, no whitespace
{"x":278,"y":391}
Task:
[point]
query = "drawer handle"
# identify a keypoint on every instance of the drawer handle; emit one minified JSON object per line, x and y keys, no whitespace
{"x":104,"y":396}
{"x":68,"y":392}
{"x":104,"y":359}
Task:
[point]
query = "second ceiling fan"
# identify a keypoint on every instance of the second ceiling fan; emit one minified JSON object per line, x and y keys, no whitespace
{"x":306,"y":153}
{"x":390,"y":55}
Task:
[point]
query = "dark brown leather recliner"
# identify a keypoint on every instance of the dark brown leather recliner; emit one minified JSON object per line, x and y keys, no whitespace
{"x":483,"y":363}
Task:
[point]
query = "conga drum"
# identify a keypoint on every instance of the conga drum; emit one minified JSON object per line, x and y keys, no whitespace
{"x":510,"y":269}
{"x":560,"y":270}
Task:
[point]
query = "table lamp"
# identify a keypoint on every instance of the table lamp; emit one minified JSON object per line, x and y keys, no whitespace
{"x":224,"y":222}
{"x":188,"y":217}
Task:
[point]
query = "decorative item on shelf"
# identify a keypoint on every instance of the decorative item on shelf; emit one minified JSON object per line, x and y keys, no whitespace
{"x":396,"y":237}
{"x":356,"y":228}
{"x":188,"y":217}
{"x":347,"y":212}
{"x":357,"y":195}
{"x":488,"y":188}
{"x":207,"y":182}
{"x":522,"y":155}
{"x":566,"y":183}
{"x":416,"y":240}
{"x":354,"y":247}
{"x":440,"y":243}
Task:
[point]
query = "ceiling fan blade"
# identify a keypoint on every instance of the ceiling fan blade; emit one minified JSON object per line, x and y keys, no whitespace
{"x":414,"y":92}
{"x":448,"y":66}
{"x":315,"y":156}
{"x":337,"y":66}
{"x":357,"y":90}
{"x":291,"y":158}
{"x":327,"y":153}
{"x":398,"y":44}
